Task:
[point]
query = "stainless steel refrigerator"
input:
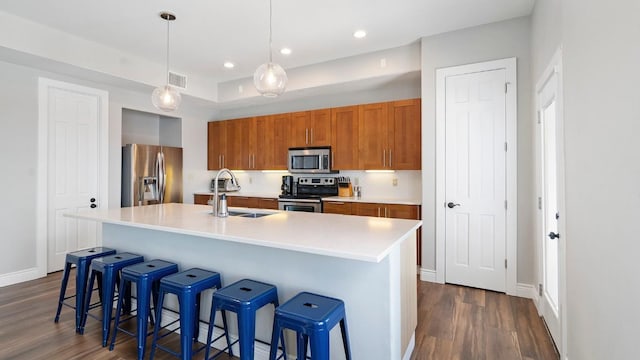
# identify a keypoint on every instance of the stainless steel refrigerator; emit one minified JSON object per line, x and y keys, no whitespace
{"x":151,"y":175}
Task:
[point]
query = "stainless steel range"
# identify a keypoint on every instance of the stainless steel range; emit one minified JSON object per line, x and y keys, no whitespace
{"x":307,"y":194}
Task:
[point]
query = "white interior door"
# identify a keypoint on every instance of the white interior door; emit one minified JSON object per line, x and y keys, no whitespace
{"x":475,"y":179}
{"x":551,"y":171}
{"x":73,"y":164}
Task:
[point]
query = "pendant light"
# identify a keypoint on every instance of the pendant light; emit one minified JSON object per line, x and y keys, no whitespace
{"x":270,"y":79}
{"x":166,"y":97}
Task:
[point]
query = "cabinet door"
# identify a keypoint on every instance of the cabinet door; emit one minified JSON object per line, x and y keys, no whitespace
{"x":336,"y":207}
{"x":319,"y":126}
{"x":241,"y":144}
{"x":402,"y":211}
{"x":201,"y":199}
{"x":268,"y":203}
{"x":367,"y":209}
{"x":404,"y":135}
{"x":344,"y":138}
{"x":242,"y":201}
{"x":373,"y":135}
{"x":273,"y":145}
{"x":299,"y":130}
{"x":216,"y":144}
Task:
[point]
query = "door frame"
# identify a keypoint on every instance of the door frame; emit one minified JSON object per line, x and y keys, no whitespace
{"x":554,"y":67}
{"x":511,"y":110}
{"x":42,"y":202}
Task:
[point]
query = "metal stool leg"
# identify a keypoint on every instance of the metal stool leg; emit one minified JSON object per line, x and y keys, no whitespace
{"x":63,"y":289}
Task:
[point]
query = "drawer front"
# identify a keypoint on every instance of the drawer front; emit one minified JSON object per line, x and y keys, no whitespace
{"x":336,"y":207}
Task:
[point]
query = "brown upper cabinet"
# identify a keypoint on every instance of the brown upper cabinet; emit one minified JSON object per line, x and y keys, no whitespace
{"x":310,"y":128}
{"x":384,"y":136}
{"x":273,"y":141}
{"x":344,"y":138}
{"x":241,"y":144}
{"x":216,"y":144}
{"x":389,"y":135}
{"x":405,"y":137}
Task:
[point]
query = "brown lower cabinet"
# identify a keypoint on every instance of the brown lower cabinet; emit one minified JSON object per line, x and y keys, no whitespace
{"x":396,"y":211}
{"x":241,"y":201}
{"x":201,"y":199}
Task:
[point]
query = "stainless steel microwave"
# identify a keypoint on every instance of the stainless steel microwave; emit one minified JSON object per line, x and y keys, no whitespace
{"x":310,"y":160}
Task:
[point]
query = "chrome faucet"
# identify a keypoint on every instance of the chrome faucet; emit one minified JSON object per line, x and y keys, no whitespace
{"x":215,"y":188}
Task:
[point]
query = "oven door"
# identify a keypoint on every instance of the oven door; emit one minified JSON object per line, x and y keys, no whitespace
{"x":300,"y":205}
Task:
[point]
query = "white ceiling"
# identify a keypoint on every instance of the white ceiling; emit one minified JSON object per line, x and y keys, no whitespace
{"x":209,"y":32}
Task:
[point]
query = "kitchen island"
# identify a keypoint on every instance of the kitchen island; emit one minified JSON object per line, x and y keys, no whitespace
{"x":367,"y":262}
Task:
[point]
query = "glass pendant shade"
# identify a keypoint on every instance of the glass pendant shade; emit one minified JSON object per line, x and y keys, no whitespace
{"x":270,"y":79}
{"x":166,"y":98}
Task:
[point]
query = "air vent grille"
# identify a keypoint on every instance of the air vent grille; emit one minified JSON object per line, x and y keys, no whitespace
{"x":177,"y":80}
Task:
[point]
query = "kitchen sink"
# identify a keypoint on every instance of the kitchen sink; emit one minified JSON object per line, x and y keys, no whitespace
{"x":248,"y":214}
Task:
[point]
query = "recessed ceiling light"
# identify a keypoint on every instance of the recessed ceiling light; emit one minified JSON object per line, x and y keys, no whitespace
{"x":359,"y":34}
{"x":229,"y":65}
{"x":285,"y":51}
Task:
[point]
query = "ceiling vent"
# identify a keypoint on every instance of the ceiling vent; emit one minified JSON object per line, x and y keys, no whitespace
{"x":177,"y":80}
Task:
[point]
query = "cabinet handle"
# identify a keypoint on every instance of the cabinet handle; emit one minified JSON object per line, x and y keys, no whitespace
{"x":390,"y":162}
{"x":385,"y":212}
{"x":378,"y":212}
{"x":249,"y":160}
{"x":336,"y":203}
{"x":384,"y":157}
{"x":219,"y":161}
{"x":311,"y":135}
{"x":223,"y":160}
{"x":306,"y":136}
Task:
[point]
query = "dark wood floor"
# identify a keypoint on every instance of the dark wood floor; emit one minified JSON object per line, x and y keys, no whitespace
{"x":454,"y":322}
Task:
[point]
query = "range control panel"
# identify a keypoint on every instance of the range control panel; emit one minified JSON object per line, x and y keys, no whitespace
{"x":328,"y":181}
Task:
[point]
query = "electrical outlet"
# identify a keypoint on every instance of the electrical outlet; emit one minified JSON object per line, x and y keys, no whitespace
{"x":356,"y":181}
{"x":395,"y":181}
{"x":250,"y":180}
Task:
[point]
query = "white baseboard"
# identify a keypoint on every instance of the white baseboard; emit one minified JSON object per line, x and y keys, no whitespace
{"x":20,"y":276}
{"x":428,"y":275}
{"x":410,"y":347}
{"x":528,"y":291}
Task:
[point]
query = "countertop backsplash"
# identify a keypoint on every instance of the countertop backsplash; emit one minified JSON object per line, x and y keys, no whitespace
{"x":374,"y":184}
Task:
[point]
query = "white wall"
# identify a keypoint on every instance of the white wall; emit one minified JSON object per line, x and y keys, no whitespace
{"x":483,"y":43}
{"x":602,"y":127}
{"x":18,"y":154}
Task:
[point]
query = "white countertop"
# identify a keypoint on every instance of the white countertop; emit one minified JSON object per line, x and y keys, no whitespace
{"x":373,"y":199}
{"x":367,"y":199}
{"x":350,"y":237}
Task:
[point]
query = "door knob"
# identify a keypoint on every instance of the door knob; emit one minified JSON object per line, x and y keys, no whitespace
{"x":452,"y":205}
{"x":92,"y":200}
{"x":93,"y":206}
{"x":553,"y":235}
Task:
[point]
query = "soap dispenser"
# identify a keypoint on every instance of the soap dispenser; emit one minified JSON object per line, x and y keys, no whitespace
{"x":223,"y":209}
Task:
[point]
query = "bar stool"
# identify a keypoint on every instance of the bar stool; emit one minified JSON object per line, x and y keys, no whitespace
{"x":312,"y":316}
{"x":244,"y":298}
{"x":108,"y":268}
{"x":187,"y":286}
{"x":147,"y":277}
{"x":82,"y":260}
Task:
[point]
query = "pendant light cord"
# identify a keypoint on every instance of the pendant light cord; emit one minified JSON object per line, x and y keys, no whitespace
{"x":167,"y":20}
{"x":270,"y":32}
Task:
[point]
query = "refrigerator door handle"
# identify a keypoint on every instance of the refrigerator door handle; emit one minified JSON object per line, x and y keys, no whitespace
{"x":161,"y":177}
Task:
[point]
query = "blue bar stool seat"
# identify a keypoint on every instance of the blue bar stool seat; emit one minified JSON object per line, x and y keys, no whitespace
{"x":108,"y":267}
{"x":312,"y":317}
{"x":146,"y":276}
{"x":187,"y":286}
{"x":244,"y":298}
{"x":82,"y":260}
